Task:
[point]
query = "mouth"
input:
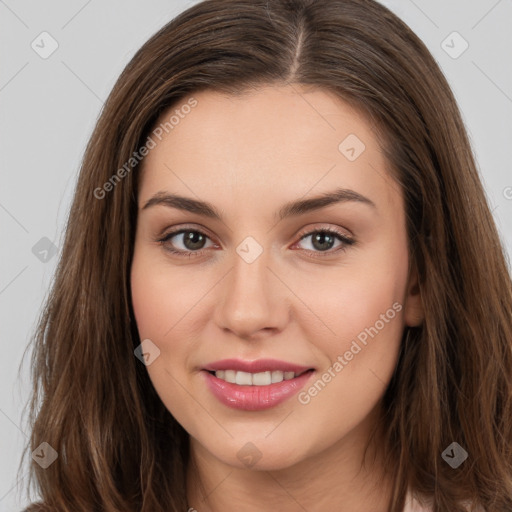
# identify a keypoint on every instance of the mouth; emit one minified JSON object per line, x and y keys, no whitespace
{"x":255,"y":385}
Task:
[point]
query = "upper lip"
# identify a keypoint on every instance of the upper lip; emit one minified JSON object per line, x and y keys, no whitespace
{"x":259,"y":365}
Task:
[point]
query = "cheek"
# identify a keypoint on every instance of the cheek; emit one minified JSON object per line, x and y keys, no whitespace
{"x":170,"y":308}
{"x":161,"y":302}
{"x":160,"y":295}
{"x":348,"y":299}
{"x":365,"y":311}
{"x":358,"y":323}
{"x":149,"y":302}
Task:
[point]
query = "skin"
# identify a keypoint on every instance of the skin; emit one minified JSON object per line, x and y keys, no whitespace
{"x":248,"y":155}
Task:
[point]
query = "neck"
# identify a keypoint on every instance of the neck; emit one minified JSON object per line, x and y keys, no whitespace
{"x":332,"y":479}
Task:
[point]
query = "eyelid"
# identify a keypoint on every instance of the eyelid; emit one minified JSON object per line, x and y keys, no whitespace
{"x":323,"y":228}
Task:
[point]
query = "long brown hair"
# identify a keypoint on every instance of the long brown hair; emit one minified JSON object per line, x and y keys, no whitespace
{"x":119,"y":448}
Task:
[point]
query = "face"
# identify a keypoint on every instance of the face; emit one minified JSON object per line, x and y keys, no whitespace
{"x":307,"y":303}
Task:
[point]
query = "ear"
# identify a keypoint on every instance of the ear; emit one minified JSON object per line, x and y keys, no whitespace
{"x":414,"y":313}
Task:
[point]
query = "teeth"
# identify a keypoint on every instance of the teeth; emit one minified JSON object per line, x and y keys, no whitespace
{"x":253,"y":379}
{"x":277,"y":376}
{"x":243,"y":378}
{"x":229,"y":376}
{"x":261,"y":379}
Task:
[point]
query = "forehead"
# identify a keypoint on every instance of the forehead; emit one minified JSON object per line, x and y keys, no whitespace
{"x":292,"y":113}
{"x":284,"y":140}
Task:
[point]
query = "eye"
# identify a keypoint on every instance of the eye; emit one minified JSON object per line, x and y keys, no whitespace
{"x":323,"y":240}
{"x":190,"y":242}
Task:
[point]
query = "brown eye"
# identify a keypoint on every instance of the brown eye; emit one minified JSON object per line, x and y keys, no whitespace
{"x":323,"y":240}
{"x":193,"y":240}
{"x":186,"y":241}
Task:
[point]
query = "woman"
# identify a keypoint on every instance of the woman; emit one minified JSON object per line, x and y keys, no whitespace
{"x":281,"y":286}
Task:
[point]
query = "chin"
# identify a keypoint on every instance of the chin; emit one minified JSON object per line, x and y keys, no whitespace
{"x":260,"y":454}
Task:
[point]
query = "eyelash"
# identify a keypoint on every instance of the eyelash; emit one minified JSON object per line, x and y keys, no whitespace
{"x":346,"y":242}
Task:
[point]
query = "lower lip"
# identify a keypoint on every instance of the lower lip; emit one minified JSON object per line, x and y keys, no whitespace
{"x":255,"y":398}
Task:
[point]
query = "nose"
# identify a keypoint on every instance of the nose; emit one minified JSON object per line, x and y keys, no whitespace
{"x":252,"y":300}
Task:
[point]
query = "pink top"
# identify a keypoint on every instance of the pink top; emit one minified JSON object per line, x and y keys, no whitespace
{"x":413,"y":505}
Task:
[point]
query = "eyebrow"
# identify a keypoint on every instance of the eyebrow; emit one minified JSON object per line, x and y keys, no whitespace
{"x":291,"y":209}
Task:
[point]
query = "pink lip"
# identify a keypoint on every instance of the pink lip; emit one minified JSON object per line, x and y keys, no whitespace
{"x":255,"y":398}
{"x":260,"y":365}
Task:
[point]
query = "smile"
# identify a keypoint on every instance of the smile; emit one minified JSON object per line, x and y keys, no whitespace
{"x":255,"y":385}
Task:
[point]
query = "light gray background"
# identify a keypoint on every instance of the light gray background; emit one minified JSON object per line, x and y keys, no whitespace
{"x":49,"y":107}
